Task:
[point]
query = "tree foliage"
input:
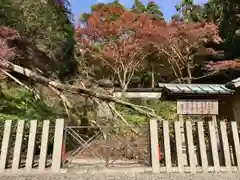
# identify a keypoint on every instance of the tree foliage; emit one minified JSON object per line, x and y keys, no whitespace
{"x":37,"y":35}
{"x":180,"y":43}
{"x":151,"y":8}
{"x":113,"y":42}
{"x":223,"y":13}
{"x":211,"y":11}
{"x":47,"y":25}
{"x":176,"y":45}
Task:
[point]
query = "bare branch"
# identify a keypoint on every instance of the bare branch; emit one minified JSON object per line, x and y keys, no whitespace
{"x":196,"y":78}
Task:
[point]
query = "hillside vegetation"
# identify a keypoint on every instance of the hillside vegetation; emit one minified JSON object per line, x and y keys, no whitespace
{"x":132,"y":47}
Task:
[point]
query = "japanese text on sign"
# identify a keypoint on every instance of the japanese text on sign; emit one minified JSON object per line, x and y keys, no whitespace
{"x":197,"y":107}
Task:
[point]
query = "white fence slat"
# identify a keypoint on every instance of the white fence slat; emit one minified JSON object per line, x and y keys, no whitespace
{"x":154,"y":146}
{"x":44,"y":144}
{"x":183,"y":139}
{"x":167,"y":147}
{"x":17,"y":147}
{"x":225,"y":143}
{"x":58,"y":140}
{"x":202,"y":146}
{"x":236,"y":142}
{"x":31,"y":145}
{"x":179,"y":146}
{"x":5,"y":144}
{"x":191,"y":150}
{"x":214,"y":146}
{"x":57,"y":147}
{"x":214,"y":121}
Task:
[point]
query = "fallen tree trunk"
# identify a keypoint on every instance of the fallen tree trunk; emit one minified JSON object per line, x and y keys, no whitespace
{"x":75,"y":89}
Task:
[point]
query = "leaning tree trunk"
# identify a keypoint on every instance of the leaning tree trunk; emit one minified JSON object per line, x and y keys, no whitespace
{"x":75,"y":89}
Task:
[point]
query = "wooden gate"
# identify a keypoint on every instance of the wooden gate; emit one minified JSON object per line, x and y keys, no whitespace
{"x":104,"y":146}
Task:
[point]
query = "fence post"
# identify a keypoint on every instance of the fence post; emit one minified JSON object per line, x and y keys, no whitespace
{"x":107,"y":148}
{"x":149,"y":146}
{"x":190,"y":145}
{"x":183,"y":139}
{"x":5,"y":144}
{"x":178,"y":137}
{"x":167,"y":147}
{"x":17,"y":147}
{"x":57,"y":146}
{"x":31,"y":145}
{"x":202,"y":146}
{"x":225,"y":143}
{"x":236,"y":142}
{"x":44,"y":144}
{"x":214,"y":146}
{"x":154,"y":146}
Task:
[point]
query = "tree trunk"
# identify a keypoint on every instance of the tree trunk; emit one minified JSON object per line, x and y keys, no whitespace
{"x":189,"y":79}
{"x":73,"y":89}
{"x":153,"y":75}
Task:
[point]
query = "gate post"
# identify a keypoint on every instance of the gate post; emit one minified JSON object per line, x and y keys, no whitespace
{"x":154,"y":146}
{"x":57,"y":146}
{"x":149,"y":146}
{"x":107,"y":150}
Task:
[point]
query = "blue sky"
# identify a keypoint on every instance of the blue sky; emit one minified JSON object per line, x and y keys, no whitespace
{"x":167,"y":6}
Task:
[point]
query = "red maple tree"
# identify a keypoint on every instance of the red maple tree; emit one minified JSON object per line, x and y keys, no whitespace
{"x":223,"y":65}
{"x":122,"y":40}
{"x":180,"y":43}
{"x":113,"y":42}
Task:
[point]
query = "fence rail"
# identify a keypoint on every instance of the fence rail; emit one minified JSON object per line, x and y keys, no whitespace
{"x":30,"y":136}
{"x":207,"y":149}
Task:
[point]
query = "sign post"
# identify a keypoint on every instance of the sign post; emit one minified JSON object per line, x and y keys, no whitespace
{"x":196,"y":107}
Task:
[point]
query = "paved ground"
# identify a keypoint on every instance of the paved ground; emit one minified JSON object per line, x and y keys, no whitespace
{"x":80,"y":171}
{"x":121,"y":176}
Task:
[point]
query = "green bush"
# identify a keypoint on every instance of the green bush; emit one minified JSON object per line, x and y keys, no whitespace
{"x":18,"y":103}
{"x":166,"y":110}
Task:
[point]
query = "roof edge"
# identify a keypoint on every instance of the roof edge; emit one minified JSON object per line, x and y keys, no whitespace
{"x":235,"y":83}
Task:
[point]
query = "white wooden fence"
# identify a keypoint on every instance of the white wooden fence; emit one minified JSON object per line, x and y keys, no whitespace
{"x":15,"y":161}
{"x":204,"y":151}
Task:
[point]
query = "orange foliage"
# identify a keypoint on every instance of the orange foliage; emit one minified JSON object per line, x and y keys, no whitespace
{"x":121,"y":45}
{"x":128,"y":37}
{"x":223,"y":65}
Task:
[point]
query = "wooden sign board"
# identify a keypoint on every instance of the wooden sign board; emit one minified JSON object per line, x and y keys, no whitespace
{"x":197,"y":107}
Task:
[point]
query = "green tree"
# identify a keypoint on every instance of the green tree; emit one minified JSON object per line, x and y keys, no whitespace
{"x":47,"y":38}
{"x":154,"y":9}
{"x":152,"y":60}
{"x":47,"y":24}
{"x":151,"y":8}
{"x":189,"y":12}
{"x":138,"y":7}
{"x":213,"y":11}
{"x":230,"y":28}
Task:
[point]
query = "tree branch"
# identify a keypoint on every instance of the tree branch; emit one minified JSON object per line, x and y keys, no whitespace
{"x":20,"y":83}
{"x":196,"y":78}
{"x":75,"y":89}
